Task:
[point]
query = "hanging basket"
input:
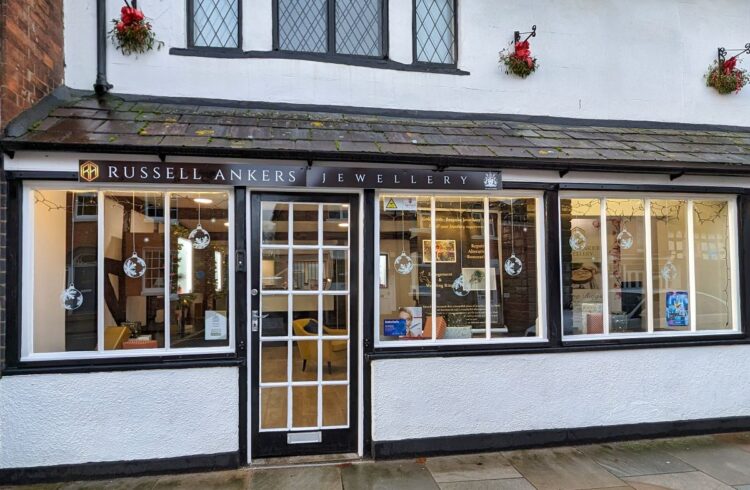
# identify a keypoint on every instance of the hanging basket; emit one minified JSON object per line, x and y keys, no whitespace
{"x":519,"y":62}
{"x":132,"y":33}
{"x":727,"y":78}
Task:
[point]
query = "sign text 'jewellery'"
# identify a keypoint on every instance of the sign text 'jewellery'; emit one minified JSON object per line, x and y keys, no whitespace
{"x":286,"y":176}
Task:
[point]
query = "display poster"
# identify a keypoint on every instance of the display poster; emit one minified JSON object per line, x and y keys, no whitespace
{"x":216,"y":325}
{"x":678,"y":306}
{"x":394,"y":328}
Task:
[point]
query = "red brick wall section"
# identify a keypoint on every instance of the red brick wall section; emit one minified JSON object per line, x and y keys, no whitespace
{"x":31,"y":66}
{"x":31,"y":53}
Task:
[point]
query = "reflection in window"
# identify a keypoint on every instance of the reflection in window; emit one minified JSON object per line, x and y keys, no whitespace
{"x":480,"y":274}
{"x":199,"y":305}
{"x":678,"y":249}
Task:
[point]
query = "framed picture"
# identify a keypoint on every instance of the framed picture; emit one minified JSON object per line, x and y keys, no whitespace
{"x":475,"y":279}
{"x":445,"y":251}
{"x":383,"y":267}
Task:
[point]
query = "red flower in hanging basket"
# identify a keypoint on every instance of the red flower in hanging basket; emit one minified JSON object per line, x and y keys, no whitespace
{"x":727,"y":78}
{"x":132,"y":32}
{"x":519,"y":62}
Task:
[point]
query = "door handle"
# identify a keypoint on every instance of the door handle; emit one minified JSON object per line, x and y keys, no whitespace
{"x":255,"y":319}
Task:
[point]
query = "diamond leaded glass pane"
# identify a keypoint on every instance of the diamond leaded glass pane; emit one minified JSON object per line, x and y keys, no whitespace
{"x":358,"y":27}
{"x":216,"y":23}
{"x":303,"y":25}
{"x":435,"y":31}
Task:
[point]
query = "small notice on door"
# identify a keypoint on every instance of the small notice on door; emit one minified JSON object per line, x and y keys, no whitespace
{"x":400,"y":204}
{"x":216,"y":325}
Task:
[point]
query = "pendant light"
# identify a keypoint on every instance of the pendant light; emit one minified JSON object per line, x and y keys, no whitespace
{"x":513,"y":265}
{"x":71,"y":298}
{"x":134,"y":266}
{"x":199,"y":236}
{"x":403,"y":263}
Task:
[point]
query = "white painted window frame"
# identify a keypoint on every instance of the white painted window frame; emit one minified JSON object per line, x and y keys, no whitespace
{"x":647,"y":198}
{"x":27,"y":307}
{"x":541,"y":274}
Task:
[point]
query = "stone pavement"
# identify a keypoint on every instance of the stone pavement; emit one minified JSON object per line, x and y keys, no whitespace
{"x":701,"y":463}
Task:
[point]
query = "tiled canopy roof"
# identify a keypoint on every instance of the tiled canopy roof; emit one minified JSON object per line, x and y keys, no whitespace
{"x":122,"y":124}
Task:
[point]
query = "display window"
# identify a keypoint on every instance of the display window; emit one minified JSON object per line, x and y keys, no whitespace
{"x":656,"y":265}
{"x":459,"y":268}
{"x":107,"y":274}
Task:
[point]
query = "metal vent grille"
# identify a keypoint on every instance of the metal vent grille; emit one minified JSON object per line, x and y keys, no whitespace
{"x":303,"y":25}
{"x":358,"y":27}
{"x":216,"y":23}
{"x":436,"y":37}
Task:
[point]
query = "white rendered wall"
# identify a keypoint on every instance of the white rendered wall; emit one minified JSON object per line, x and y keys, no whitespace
{"x":609,"y":59}
{"x":54,"y":419}
{"x":419,"y":398}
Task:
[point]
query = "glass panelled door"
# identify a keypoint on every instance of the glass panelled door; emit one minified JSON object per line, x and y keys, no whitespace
{"x":304,"y":324}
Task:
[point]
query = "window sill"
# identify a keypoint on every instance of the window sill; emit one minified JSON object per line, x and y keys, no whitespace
{"x":384,"y":64}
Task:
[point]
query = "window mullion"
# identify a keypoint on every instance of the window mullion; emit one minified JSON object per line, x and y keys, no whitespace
{"x":691,"y":265}
{"x":649,"y":267}
{"x":100,"y":276}
{"x":331,"y":26}
{"x":487,"y":277}
{"x":604,"y":256}
{"x":167,"y":269}
{"x":433,"y":268}
{"x":732,"y":259}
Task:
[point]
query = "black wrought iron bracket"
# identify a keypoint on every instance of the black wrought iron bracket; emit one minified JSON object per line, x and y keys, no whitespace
{"x":517,"y":35}
{"x":723,"y":53}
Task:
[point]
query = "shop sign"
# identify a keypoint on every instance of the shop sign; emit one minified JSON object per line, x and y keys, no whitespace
{"x":255,"y":175}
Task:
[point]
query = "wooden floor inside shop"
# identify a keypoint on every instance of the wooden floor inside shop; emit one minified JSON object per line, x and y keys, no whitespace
{"x":304,"y":399}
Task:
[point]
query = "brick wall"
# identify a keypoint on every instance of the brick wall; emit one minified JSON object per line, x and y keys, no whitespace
{"x":31,"y":66}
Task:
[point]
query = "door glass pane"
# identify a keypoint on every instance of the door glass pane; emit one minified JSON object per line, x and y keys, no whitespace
{"x":134,"y":297}
{"x":460,"y":269}
{"x":626,"y":265}
{"x":335,"y":405}
{"x":305,"y":224}
{"x":713,"y":305}
{"x":274,"y":270}
{"x":407,"y":297}
{"x":305,"y":406}
{"x":335,"y":224}
{"x":274,"y":314}
{"x":671,"y":274}
{"x":305,"y":314}
{"x":513,"y":271}
{"x":335,"y":270}
{"x":336,"y":357}
{"x":335,"y":314}
{"x":273,"y":361}
{"x":273,"y":408}
{"x":305,"y":269}
{"x":581,"y":266}
{"x":275,"y":223}
{"x":69,"y":221}
{"x":305,"y":363}
{"x":199,"y":249}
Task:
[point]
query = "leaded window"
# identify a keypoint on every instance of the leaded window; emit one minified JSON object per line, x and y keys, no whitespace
{"x":214,"y":23}
{"x":435,"y":33}
{"x":344,"y":27}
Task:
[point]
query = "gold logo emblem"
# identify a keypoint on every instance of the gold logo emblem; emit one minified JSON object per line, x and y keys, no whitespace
{"x":89,"y":171}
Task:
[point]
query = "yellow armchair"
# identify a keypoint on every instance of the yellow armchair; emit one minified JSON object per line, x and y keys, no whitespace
{"x":309,"y":350}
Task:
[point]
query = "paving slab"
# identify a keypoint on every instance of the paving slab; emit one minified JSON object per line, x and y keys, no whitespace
{"x":298,"y":478}
{"x":470,"y":467}
{"x":142,"y":483}
{"x":694,"y":480}
{"x":561,"y":469}
{"x":634,"y":459}
{"x":387,"y":476}
{"x":725,"y":462}
{"x":504,"y":484}
{"x":230,"y":480}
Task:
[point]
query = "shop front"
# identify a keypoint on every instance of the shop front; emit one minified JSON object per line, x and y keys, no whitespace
{"x":225,"y":310}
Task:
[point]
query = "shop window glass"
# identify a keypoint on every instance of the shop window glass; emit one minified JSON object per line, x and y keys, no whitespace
{"x":668,"y":264}
{"x":105,"y":288}
{"x":480,"y":275}
{"x":199,"y":246}
{"x":65,"y":258}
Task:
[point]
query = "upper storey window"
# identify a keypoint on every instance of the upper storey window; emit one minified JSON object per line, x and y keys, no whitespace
{"x":435,"y":31}
{"x":342,"y":27}
{"x":214,"y":23}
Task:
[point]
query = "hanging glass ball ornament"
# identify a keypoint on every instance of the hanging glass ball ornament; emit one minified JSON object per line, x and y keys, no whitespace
{"x":513,"y":265}
{"x":669,"y":272}
{"x":134,"y":266}
{"x":459,"y":286}
{"x":578,"y":239}
{"x":403,"y":263}
{"x":200,"y":237}
{"x":71,"y":299}
{"x":625,"y":239}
